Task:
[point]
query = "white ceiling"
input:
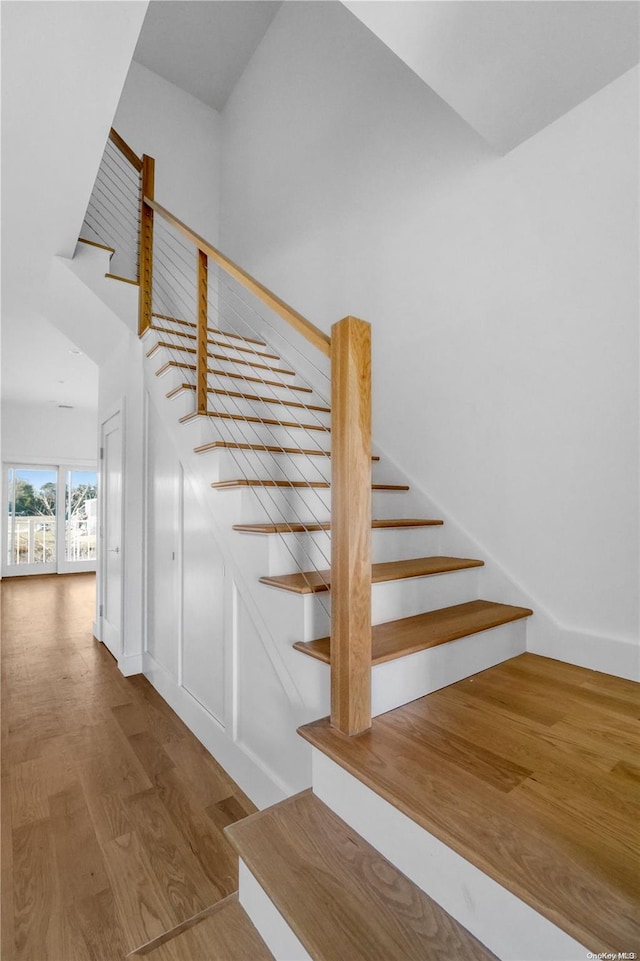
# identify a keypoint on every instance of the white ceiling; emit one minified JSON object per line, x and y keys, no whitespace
{"x":509,"y":68}
{"x":203,"y":47}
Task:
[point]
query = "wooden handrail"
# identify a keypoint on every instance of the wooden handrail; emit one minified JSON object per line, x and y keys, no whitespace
{"x":312,"y":333}
{"x":125,"y":149}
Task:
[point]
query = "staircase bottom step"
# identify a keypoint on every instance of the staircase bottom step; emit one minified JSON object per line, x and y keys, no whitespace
{"x":341,"y":898}
{"x":500,"y":796}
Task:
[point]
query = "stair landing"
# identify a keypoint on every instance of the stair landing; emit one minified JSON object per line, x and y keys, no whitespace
{"x":529,"y":770}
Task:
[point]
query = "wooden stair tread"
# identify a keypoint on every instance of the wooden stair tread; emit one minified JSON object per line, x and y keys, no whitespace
{"x":212,"y":330}
{"x":231,"y":360}
{"x":311,"y":527}
{"x":253,"y":397}
{"x":212,"y":340}
{"x":223,"y":932}
{"x":94,"y":243}
{"x":535,"y":805}
{"x":174,"y":364}
{"x":267,"y":482}
{"x":410,"y":634}
{"x":341,"y":897}
{"x":311,"y":582}
{"x":123,"y":280}
{"x":270,"y":448}
{"x":252,"y":420}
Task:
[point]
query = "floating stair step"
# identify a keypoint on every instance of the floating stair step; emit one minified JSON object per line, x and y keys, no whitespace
{"x":411,"y":634}
{"x":252,"y":420}
{"x":312,"y":582}
{"x":521,"y":783}
{"x":93,"y":243}
{"x":253,"y":397}
{"x":270,"y":448}
{"x":254,"y":482}
{"x":257,"y":482}
{"x":124,"y":280}
{"x":176,"y":365}
{"x":212,"y":330}
{"x":312,"y":526}
{"x":341,"y":898}
{"x":231,"y":360}
{"x":212,"y":340}
{"x":223,"y":932}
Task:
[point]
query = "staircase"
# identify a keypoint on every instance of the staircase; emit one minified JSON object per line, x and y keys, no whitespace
{"x":411,"y":843}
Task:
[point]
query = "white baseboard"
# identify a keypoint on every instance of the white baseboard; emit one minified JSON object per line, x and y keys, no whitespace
{"x":130,"y":664}
{"x":606,"y":654}
{"x":261,"y":786}
{"x":272,"y":927}
{"x":513,"y":930}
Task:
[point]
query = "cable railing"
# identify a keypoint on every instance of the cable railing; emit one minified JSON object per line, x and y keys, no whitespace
{"x":214,"y":321}
{"x":112,"y":218}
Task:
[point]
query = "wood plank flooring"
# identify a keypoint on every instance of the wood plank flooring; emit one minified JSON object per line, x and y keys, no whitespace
{"x":529,"y":770}
{"x":112,"y":812}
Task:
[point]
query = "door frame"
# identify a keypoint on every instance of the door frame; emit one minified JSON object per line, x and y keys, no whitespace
{"x":116,"y":410}
{"x":60,"y":565}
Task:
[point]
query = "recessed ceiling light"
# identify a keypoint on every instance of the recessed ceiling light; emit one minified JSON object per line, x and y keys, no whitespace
{"x":66,"y":406}
{"x":74,"y":350}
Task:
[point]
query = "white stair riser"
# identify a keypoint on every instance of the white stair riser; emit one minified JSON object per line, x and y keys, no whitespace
{"x":290,"y":552}
{"x":389,"y":601}
{"x":231,"y":464}
{"x":304,"y":504}
{"x":272,"y":927}
{"x":415,"y":595}
{"x":404,"y":679}
{"x":500,"y":920}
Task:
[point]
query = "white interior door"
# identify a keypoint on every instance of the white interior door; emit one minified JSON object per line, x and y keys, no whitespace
{"x":111,"y":541}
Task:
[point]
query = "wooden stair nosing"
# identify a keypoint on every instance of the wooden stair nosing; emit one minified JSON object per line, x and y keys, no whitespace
{"x":408,"y":635}
{"x":268,"y":448}
{"x":169,"y":364}
{"x":229,"y":360}
{"x":311,"y":582}
{"x":252,"y":397}
{"x":212,"y":340}
{"x":340,"y":896}
{"x":252,"y":420}
{"x":212,"y":330}
{"x":312,"y":527}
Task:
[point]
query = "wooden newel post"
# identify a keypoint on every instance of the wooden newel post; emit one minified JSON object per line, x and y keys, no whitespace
{"x":146,"y":246}
{"x":203,"y":296}
{"x":351,"y":526}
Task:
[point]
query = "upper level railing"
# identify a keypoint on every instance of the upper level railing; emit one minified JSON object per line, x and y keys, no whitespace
{"x":179,"y":279}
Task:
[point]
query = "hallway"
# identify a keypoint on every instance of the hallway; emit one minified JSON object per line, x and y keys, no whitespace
{"x":112,"y":811}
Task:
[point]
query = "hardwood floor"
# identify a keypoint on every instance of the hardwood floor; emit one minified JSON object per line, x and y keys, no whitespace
{"x":112,"y":811}
{"x":529,"y":770}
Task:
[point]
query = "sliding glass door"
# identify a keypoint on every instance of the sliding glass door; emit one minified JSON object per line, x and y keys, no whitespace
{"x":51,"y":520}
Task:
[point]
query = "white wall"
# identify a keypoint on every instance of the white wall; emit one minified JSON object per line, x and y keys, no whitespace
{"x":502,"y":293}
{"x":46,"y":434}
{"x":183,"y":135}
{"x":121,"y":388}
